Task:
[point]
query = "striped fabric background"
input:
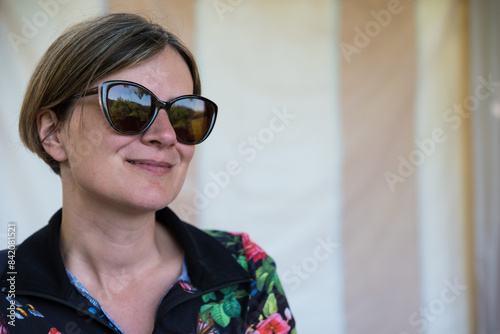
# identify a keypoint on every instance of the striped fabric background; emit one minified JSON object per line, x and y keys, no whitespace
{"x":357,"y":142}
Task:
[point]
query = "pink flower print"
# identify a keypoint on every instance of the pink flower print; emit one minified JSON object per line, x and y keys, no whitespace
{"x":252,"y":250}
{"x":274,"y":324}
{"x":189,"y":288}
{"x":3,"y":330}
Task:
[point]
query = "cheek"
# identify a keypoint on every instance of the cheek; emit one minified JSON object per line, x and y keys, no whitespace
{"x":187,"y":153}
{"x":87,"y":135}
{"x":81,"y":149}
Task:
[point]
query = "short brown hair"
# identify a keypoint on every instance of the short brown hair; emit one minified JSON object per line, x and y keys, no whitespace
{"x":87,"y":52}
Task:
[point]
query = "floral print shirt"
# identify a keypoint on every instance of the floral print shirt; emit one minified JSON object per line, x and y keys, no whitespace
{"x":229,"y":285}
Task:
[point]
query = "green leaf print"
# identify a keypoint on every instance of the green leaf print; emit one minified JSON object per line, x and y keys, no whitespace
{"x":271,"y":279}
{"x":225,"y":309}
{"x":239,"y":294}
{"x":205,"y":311}
{"x":209,"y":296}
{"x":271,"y":306}
{"x":242,"y":261}
{"x":278,"y":285}
{"x":220,"y":316}
{"x":261,"y":281}
{"x":228,"y":290}
{"x":232,"y":308}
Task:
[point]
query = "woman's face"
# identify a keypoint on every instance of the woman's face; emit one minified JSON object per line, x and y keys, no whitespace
{"x":128,"y":172}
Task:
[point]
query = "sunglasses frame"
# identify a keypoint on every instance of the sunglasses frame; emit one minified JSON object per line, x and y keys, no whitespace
{"x":103,"y":89}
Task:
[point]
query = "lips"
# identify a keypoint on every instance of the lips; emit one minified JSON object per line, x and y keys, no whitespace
{"x":152,"y":166}
{"x":153,"y":163}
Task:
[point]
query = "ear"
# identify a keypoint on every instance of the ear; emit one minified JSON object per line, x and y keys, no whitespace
{"x":49,"y":132}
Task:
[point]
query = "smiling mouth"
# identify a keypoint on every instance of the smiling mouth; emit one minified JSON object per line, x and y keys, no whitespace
{"x":150,"y":163}
{"x":151,"y":166}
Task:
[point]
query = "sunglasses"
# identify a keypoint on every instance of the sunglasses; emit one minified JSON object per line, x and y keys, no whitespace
{"x":131,"y":108}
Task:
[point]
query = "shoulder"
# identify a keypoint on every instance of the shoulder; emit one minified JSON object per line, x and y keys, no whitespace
{"x":267,"y":305}
{"x":248,"y":254}
{"x":236,"y":242}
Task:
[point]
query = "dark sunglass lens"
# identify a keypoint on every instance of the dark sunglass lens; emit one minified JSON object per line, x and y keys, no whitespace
{"x":191,"y":119}
{"x":130,"y":108}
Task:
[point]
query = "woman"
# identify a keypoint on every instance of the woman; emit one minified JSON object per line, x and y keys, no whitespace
{"x":114,"y":259}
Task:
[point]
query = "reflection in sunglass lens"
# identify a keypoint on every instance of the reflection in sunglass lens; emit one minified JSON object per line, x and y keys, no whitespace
{"x":130,"y":108}
{"x":190,"y":118}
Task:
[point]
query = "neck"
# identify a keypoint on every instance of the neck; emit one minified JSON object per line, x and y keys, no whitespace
{"x":97,"y":247}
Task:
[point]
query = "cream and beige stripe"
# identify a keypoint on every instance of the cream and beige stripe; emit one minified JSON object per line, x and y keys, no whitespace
{"x":343,"y":147}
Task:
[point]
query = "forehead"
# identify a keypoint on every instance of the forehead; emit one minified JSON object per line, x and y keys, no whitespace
{"x":166,"y":74}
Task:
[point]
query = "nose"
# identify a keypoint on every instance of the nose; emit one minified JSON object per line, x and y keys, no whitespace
{"x":161,"y":132}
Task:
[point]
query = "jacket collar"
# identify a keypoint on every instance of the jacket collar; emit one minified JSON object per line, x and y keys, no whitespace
{"x":39,"y":268}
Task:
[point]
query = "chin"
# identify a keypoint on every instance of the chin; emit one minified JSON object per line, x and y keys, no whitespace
{"x":155,"y":204}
